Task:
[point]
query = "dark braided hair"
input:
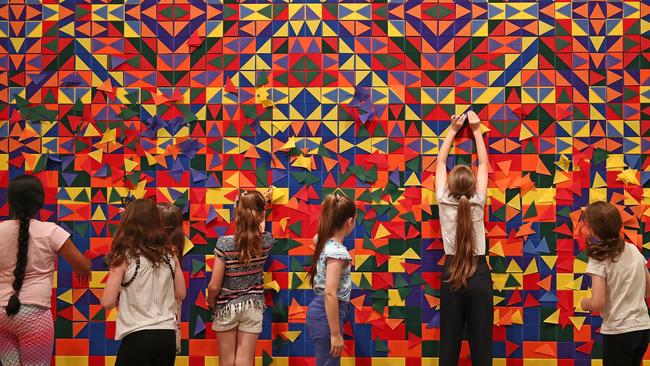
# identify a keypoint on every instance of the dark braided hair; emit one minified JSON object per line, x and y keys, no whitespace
{"x":26,"y":197}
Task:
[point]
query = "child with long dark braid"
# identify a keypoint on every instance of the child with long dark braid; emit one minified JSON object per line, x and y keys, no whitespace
{"x":466,"y":290}
{"x":30,"y":248}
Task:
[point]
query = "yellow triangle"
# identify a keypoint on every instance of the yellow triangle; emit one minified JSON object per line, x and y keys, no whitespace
{"x":98,"y":215}
{"x":360,"y":259}
{"x":550,"y":260}
{"x":497,"y":299}
{"x":497,"y":249}
{"x":109,"y":136}
{"x":188,"y":246}
{"x":532,"y":267}
{"x":151,"y":160}
{"x":517,"y":318}
{"x":233,"y":180}
{"x":524,"y":133}
{"x":577,"y":321}
{"x":382,"y":232}
{"x":553,"y":318}
{"x":129,"y":165}
{"x":91,"y":131}
{"x":97,"y":155}
{"x":412,"y":181}
{"x":410,"y":254}
{"x":272,"y":285}
{"x":515,"y":202}
{"x":598,"y":181}
{"x":292,"y":335}
{"x":513,"y":267}
{"x":66,"y":296}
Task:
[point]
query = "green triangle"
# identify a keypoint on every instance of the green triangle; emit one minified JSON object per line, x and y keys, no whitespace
{"x":381,"y":345}
{"x":532,"y":212}
{"x":267,"y":11}
{"x":400,"y":281}
{"x":295,"y":266}
{"x":310,"y":76}
{"x":512,"y":282}
{"x":600,"y":155}
{"x":81,"y":228}
{"x":364,"y":284}
{"x":282,"y":78}
{"x":267,"y":360}
{"x":404,"y":292}
{"x":296,"y":227}
{"x":310,"y":65}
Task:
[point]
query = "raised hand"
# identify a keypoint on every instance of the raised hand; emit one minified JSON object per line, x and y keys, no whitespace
{"x":474,"y":121}
{"x":458,"y":121}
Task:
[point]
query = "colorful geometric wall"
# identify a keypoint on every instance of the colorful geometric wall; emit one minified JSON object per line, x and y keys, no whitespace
{"x":191,"y":101}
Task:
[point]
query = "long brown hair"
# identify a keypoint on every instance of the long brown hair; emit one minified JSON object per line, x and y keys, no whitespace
{"x":462,"y":186}
{"x":336,"y":210}
{"x":172,"y":223}
{"x":605,"y":224}
{"x":139,"y":233}
{"x":249,"y":213}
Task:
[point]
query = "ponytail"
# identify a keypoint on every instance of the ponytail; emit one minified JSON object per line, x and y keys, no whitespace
{"x":463,"y":264}
{"x":13,"y":306}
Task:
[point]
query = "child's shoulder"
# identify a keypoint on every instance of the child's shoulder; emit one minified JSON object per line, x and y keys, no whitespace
{"x":226,"y":241}
{"x":336,"y":249}
{"x":267,"y":239}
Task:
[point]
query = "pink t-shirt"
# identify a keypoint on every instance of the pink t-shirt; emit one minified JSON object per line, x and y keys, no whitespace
{"x":45,"y":240}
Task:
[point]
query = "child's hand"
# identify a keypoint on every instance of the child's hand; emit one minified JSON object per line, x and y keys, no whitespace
{"x":212,"y":298}
{"x":83,"y":276}
{"x":457,"y":122}
{"x":268,"y":195}
{"x":338,"y":346}
{"x":474,"y":121}
{"x":584,"y":304}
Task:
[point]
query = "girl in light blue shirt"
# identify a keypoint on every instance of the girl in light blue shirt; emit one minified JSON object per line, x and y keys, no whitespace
{"x":330,"y":276}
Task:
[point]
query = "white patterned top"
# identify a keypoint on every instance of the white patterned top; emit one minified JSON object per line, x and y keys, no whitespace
{"x":148,"y":302}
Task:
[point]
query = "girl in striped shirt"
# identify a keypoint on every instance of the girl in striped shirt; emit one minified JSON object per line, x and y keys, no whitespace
{"x":236,"y":289}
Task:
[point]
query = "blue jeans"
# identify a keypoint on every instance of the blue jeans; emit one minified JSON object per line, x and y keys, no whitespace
{"x":319,"y":329}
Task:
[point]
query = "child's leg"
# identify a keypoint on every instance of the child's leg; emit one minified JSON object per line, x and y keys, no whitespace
{"x":164,"y":347}
{"x":9,"y":355}
{"x":479,"y":307}
{"x":319,"y":332}
{"x":625,"y":349}
{"x":28,"y":335}
{"x":227,"y":341}
{"x":250,"y":326}
{"x":134,"y":350}
{"x":642,"y":347}
{"x":452,"y":321}
{"x":246,"y":344}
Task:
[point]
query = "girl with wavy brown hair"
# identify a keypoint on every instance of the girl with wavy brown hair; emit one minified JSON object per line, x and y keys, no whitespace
{"x":620,"y":283}
{"x":145,"y":282}
{"x":236,"y":288}
{"x":466,"y":291}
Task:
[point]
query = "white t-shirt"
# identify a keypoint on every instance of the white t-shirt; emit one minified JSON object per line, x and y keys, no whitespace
{"x":448,"y":212}
{"x":149,"y":301}
{"x":625,"y":307}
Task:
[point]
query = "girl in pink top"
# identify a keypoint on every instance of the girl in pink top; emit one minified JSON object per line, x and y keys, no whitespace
{"x":29,"y":249}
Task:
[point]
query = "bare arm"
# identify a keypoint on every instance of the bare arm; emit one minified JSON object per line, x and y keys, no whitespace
{"x":112,"y":287}
{"x":597,"y":300}
{"x":443,"y":153}
{"x":332,"y":279}
{"x":77,"y":260}
{"x":481,"y":151}
{"x":214,"y":287}
{"x":179,"y":281}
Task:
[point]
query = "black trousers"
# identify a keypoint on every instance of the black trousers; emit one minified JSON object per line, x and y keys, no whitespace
{"x":472,"y":305}
{"x":625,"y":349}
{"x":147,"y":348}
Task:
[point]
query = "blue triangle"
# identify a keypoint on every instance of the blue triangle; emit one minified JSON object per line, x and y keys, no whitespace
{"x":542,"y":247}
{"x":548,"y":297}
{"x":529,"y":247}
{"x":212,"y":215}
